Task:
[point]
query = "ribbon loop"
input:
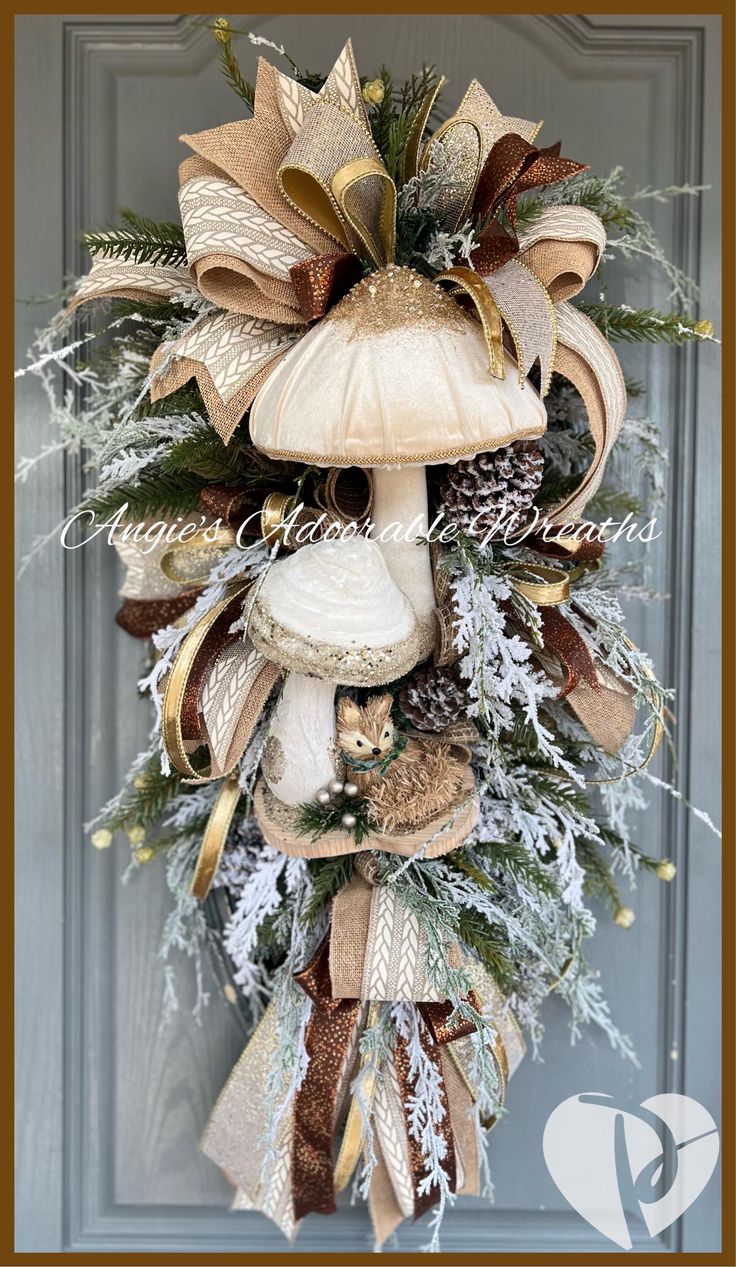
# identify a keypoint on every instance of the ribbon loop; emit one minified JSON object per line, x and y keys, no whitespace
{"x":466,"y":281}
{"x":334,"y":176}
{"x":463,"y":144}
{"x":214,"y":693}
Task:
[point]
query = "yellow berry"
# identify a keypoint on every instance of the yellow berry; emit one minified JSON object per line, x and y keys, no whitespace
{"x":374,"y":92}
{"x":101,"y":839}
{"x":666,"y":870}
{"x":222,"y":31}
{"x":624,"y":917}
{"x":136,"y":835}
{"x":704,"y":329}
{"x":144,"y":854}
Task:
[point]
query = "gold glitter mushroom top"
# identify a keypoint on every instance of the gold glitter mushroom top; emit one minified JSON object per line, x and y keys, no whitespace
{"x":396,"y":374}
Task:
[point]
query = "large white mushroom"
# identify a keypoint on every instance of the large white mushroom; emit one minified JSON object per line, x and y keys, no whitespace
{"x":395,"y":378}
{"x":331,"y":615}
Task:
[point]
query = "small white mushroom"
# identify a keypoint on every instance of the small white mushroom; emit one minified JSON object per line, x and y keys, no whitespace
{"x":331,"y":615}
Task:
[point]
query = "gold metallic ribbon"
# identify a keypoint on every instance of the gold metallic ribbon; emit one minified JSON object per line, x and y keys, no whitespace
{"x":177,"y":562}
{"x":467,"y":282}
{"x":551,"y":588}
{"x":410,"y":164}
{"x":176,"y":686}
{"x":215,"y":835}
{"x":354,"y":1132}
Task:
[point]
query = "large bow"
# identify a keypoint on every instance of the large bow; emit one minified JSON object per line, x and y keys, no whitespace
{"x":283,"y":212}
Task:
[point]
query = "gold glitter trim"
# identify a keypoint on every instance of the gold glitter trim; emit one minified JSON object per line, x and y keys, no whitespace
{"x":417,"y":459}
{"x":397,"y":299}
{"x":273,"y":761}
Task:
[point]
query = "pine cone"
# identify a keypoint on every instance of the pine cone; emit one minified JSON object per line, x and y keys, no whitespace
{"x":477,"y":493}
{"x":433,"y":698}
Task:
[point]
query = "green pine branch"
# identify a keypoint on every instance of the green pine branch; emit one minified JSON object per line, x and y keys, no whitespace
{"x":149,"y":495}
{"x":185,"y":400}
{"x":619,"y":323}
{"x":203,"y":454}
{"x":599,"y":881}
{"x":140,"y":239}
{"x":230,"y":67}
{"x":392,"y":118}
{"x":505,"y":857}
{"x":328,"y":876}
{"x":476,"y":933}
{"x":144,"y":799}
{"x":317,"y":820}
{"x":614,"y":503}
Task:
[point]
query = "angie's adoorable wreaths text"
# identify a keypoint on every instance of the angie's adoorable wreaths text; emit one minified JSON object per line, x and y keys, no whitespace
{"x":408,"y":760}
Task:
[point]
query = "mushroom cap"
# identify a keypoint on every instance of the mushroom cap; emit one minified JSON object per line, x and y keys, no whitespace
{"x":396,"y":374}
{"x":333,"y":611}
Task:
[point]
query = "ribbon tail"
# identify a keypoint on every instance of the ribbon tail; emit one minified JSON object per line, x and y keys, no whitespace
{"x":330,"y":1041}
{"x":561,"y":637}
{"x":240,"y":1120}
{"x":587,"y":360}
{"x":529,"y":316}
{"x":384,"y":1209}
{"x":467,"y":282}
{"x":229,"y":355}
{"x":213,"y":841}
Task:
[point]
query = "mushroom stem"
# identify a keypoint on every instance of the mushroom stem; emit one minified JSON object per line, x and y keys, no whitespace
{"x":400,"y":510}
{"x":300,"y":752}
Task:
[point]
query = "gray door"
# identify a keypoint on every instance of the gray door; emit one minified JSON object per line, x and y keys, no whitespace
{"x":110,"y":1105}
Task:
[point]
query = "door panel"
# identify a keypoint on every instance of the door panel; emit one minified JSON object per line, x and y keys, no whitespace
{"x":111,"y":1104}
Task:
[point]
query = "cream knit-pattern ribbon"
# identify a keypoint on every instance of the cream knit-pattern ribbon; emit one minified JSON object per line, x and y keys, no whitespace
{"x":229,"y":355}
{"x":113,"y":277}
{"x":378,"y":949}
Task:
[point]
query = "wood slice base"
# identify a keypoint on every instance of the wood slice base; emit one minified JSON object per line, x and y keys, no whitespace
{"x":451,"y":828}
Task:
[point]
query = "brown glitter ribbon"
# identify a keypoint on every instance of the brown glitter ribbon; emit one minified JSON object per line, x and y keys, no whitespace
{"x":142,"y":617}
{"x":320,"y":281}
{"x":217,"y":639}
{"x":581,"y":549}
{"x":328,"y":1041}
{"x":437,"y":1015}
{"x":561,"y":637}
{"x":514,"y":167}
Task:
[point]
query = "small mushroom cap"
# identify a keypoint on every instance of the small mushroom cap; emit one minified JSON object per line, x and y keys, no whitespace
{"x":333,"y":611}
{"x":396,"y":374}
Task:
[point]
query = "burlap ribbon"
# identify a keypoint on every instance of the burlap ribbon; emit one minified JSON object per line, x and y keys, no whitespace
{"x":378,"y":948}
